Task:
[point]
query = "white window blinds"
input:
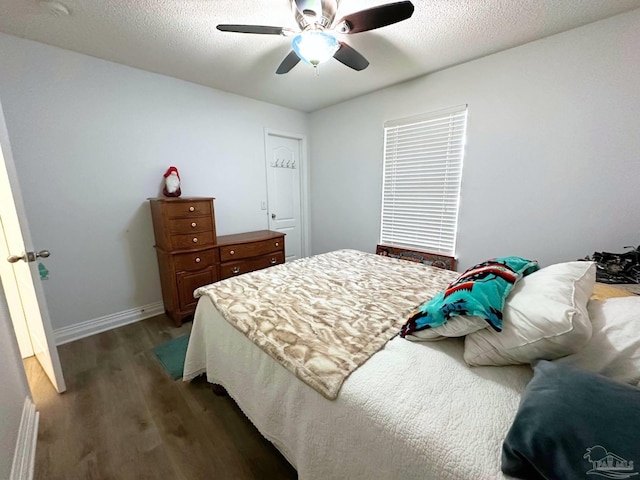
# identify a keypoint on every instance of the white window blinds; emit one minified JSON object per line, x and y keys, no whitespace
{"x":421,"y":180}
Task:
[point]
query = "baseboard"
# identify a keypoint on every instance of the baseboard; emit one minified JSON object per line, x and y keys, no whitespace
{"x":97,"y":325}
{"x":25,"y":454}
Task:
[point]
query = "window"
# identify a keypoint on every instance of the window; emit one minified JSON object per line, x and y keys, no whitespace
{"x":421,"y":180}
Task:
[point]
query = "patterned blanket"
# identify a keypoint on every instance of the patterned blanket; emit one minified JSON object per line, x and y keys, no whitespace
{"x":322,"y":317}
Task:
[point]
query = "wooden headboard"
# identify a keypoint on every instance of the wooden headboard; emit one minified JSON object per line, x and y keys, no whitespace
{"x":433,"y":259}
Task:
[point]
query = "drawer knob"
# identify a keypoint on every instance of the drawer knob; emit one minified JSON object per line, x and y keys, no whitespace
{"x":277,"y":244}
{"x":274,"y":261}
{"x":235,"y":270}
{"x":193,"y":224}
{"x":192,"y":209}
{"x":197,"y":259}
{"x":232,"y":252}
{"x":195,"y":240}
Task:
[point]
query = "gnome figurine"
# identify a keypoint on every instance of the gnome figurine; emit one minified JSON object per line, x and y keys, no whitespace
{"x":171,"y":183}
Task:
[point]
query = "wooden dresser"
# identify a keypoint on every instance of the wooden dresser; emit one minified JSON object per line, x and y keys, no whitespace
{"x":246,"y":252}
{"x":190,"y":254}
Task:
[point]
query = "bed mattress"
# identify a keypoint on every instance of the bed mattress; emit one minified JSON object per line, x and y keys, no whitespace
{"x":412,"y":411}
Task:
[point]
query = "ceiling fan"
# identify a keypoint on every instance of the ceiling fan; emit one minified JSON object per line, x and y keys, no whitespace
{"x":315,"y":41}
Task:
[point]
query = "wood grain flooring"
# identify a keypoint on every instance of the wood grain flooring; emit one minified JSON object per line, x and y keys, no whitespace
{"x":122,"y":417}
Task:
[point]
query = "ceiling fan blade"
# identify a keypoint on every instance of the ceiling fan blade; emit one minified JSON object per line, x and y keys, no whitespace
{"x":288,"y":63}
{"x":376,"y":17}
{"x":263,"y":29}
{"x":350,"y":57}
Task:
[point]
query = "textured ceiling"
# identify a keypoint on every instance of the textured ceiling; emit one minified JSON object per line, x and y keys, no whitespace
{"x":178,"y":38}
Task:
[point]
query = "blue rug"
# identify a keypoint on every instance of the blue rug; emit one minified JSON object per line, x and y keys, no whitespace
{"x":171,"y":355}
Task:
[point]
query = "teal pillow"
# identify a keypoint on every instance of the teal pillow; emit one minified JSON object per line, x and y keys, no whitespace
{"x":480,"y":291}
{"x":574,"y":424}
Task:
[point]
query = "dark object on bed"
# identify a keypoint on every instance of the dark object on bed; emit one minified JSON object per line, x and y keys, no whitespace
{"x":617,"y":267}
{"x":573,"y":424}
{"x":432,"y":259}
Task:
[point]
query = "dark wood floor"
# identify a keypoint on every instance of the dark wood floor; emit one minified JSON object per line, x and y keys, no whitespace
{"x":122,"y":417}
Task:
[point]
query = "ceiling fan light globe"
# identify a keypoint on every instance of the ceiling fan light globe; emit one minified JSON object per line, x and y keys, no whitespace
{"x":315,"y":47}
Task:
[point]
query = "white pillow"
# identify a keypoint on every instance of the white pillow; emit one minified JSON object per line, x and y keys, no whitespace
{"x":614,"y":348}
{"x":545,"y":317}
{"x":457,"y":326}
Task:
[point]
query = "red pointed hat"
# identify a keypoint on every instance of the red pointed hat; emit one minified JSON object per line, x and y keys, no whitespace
{"x":170,"y":170}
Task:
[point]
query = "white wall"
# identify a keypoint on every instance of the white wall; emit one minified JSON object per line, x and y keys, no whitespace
{"x":552,"y":163}
{"x":13,"y":389}
{"x":91,"y":140}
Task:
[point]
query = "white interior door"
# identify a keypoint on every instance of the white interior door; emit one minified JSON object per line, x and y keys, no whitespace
{"x":10,"y":283}
{"x":25,"y":278}
{"x":284,"y":199}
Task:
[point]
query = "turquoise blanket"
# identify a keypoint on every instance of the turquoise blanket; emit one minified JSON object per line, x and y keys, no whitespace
{"x":480,"y":291}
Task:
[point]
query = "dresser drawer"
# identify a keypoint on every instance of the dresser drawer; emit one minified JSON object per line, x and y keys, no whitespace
{"x":190,"y":225}
{"x":196,"y":260}
{"x":231,"y":269}
{"x":191,"y":208}
{"x":183,"y":242}
{"x":246,"y":250}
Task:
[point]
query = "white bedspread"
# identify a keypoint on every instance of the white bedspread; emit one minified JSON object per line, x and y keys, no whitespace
{"x":412,"y":411}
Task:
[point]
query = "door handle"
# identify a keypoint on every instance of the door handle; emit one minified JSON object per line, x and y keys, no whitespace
{"x":28,"y":256}
{"x":17,"y":258}
{"x":273,"y":216}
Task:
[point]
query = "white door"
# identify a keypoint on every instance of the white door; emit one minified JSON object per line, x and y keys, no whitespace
{"x":284,"y":163}
{"x":23,"y":260}
{"x":10,"y":283}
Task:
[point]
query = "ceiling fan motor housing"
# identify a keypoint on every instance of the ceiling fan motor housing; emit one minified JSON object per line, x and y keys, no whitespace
{"x":314,"y":14}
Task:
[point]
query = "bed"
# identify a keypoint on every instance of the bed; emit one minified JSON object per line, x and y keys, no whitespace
{"x":409,"y":410}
